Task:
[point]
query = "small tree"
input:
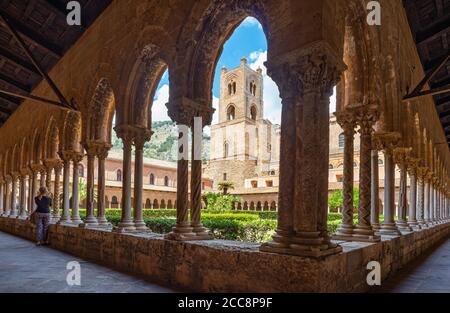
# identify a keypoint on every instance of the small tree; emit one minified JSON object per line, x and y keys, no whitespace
{"x":336,"y":199}
{"x":225,"y":186}
{"x":220,"y":203}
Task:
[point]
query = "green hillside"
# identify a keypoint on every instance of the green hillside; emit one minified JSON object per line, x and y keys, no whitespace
{"x":163,"y":145}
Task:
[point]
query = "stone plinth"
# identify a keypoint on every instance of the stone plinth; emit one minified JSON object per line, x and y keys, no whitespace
{"x":225,"y":266}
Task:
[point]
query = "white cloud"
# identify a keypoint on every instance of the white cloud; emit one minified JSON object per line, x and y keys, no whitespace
{"x":159,"y":109}
{"x":251,"y":22}
{"x":272,"y":100}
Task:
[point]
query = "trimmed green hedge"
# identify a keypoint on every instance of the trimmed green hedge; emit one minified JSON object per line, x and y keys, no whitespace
{"x":250,"y":226}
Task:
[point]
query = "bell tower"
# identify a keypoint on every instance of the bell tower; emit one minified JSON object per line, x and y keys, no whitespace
{"x":241,"y":94}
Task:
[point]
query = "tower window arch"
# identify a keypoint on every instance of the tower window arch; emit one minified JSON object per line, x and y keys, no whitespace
{"x":253,"y":112}
{"x":234,"y":88}
{"x":166,"y":181}
{"x":341,"y":140}
{"x":231,"y":113}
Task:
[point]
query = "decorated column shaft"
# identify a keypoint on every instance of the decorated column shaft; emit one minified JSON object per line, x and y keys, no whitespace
{"x":401,"y":158}
{"x":102,"y":153}
{"x":13,"y":211}
{"x":346,"y":120}
{"x":388,"y":142}
{"x":126,"y":133}
{"x":412,"y":213}
{"x":203,"y":117}
{"x":90,"y":219}
{"x":76,"y":159}
{"x":366,"y":118}
{"x":142,"y":136}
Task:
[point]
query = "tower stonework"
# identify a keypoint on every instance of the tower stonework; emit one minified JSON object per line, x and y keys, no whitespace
{"x":243,"y":143}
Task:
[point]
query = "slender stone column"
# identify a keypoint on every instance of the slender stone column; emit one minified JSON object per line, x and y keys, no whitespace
{"x":90,"y":220}
{"x":290,"y":93}
{"x":142,"y":136}
{"x":126,"y":133}
{"x":421,"y":174}
{"x":412,"y":214}
{"x":201,"y":232}
{"x":13,"y":212}
{"x":23,"y":195}
{"x":427,"y":199}
{"x":375,"y":187}
{"x":48,"y":175}
{"x":102,"y":153}
{"x":346,"y":120}
{"x":43,"y":171}
{"x":76,"y":159}
{"x":2,"y":195}
{"x":34,"y":170}
{"x":56,"y":192}
{"x":183,"y":116}
{"x":310,"y":81}
{"x":65,"y":217}
{"x":7,"y":206}
{"x":388,"y":141}
{"x":366,"y":118}
{"x":401,"y":157}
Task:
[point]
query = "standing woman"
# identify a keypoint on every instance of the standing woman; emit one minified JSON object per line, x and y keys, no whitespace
{"x":43,"y":204}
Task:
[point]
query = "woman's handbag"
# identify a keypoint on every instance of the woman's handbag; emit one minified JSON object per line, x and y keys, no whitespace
{"x":34,"y":218}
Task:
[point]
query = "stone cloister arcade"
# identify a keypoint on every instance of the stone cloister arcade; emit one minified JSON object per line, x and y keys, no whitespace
{"x":115,"y":67}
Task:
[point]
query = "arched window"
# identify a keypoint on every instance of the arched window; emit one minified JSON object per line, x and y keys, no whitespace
{"x":114,"y":200}
{"x":254,"y":90}
{"x":119,"y":175}
{"x":80,"y":170}
{"x":166,"y":181}
{"x":341,"y":140}
{"x":230,"y":89}
{"x":251,"y":87}
{"x":225,"y":150}
{"x":231,"y":113}
{"x":152,"y":179}
{"x":380,"y":162}
{"x":234,"y":88}
{"x":253,"y":113}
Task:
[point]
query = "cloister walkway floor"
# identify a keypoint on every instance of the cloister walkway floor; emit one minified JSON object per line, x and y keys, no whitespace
{"x":430,"y":273}
{"x":27,"y":268}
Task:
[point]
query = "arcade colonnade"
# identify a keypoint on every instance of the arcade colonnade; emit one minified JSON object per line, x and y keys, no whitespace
{"x":313,"y":47}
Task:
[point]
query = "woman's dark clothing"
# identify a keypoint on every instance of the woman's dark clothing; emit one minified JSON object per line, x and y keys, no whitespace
{"x":43,"y":204}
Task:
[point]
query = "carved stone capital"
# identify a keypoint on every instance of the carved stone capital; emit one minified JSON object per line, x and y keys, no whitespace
{"x":142,"y":135}
{"x":401,"y":155}
{"x":316,"y":66}
{"x":125,"y":132}
{"x":365,"y":117}
{"x":422,"y":172}
{"x":347,"y":120}
{"x":183,"y":110}
{"x":413,"y":163}
{"x":386,"y":141}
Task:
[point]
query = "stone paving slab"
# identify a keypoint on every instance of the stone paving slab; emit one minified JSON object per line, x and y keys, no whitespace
{"x":28,"y":268}
{"x":428,"y":274}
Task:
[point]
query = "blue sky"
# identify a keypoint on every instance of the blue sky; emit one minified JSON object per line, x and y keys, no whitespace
{"x":248,"y":40}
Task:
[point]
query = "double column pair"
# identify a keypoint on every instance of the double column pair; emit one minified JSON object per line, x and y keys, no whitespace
{"x":100,"y":150}
{"x":194,"y":116}
{"x":306,"y":81}
{"x":138,"y":136}
{"x":363,"y":117}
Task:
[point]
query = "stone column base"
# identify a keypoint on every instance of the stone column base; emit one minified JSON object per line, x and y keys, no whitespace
{"x":307,"y":244}
{"x":181,"y":232}
{"x":389,"y":229}
{"x":125,"y":226}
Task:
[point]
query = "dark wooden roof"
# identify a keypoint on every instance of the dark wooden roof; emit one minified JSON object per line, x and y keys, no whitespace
{"x":42,"y":25}
{"x":430,"y":25}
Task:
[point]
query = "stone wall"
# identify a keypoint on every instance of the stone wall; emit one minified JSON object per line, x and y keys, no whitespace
{"x":226,"y":266}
